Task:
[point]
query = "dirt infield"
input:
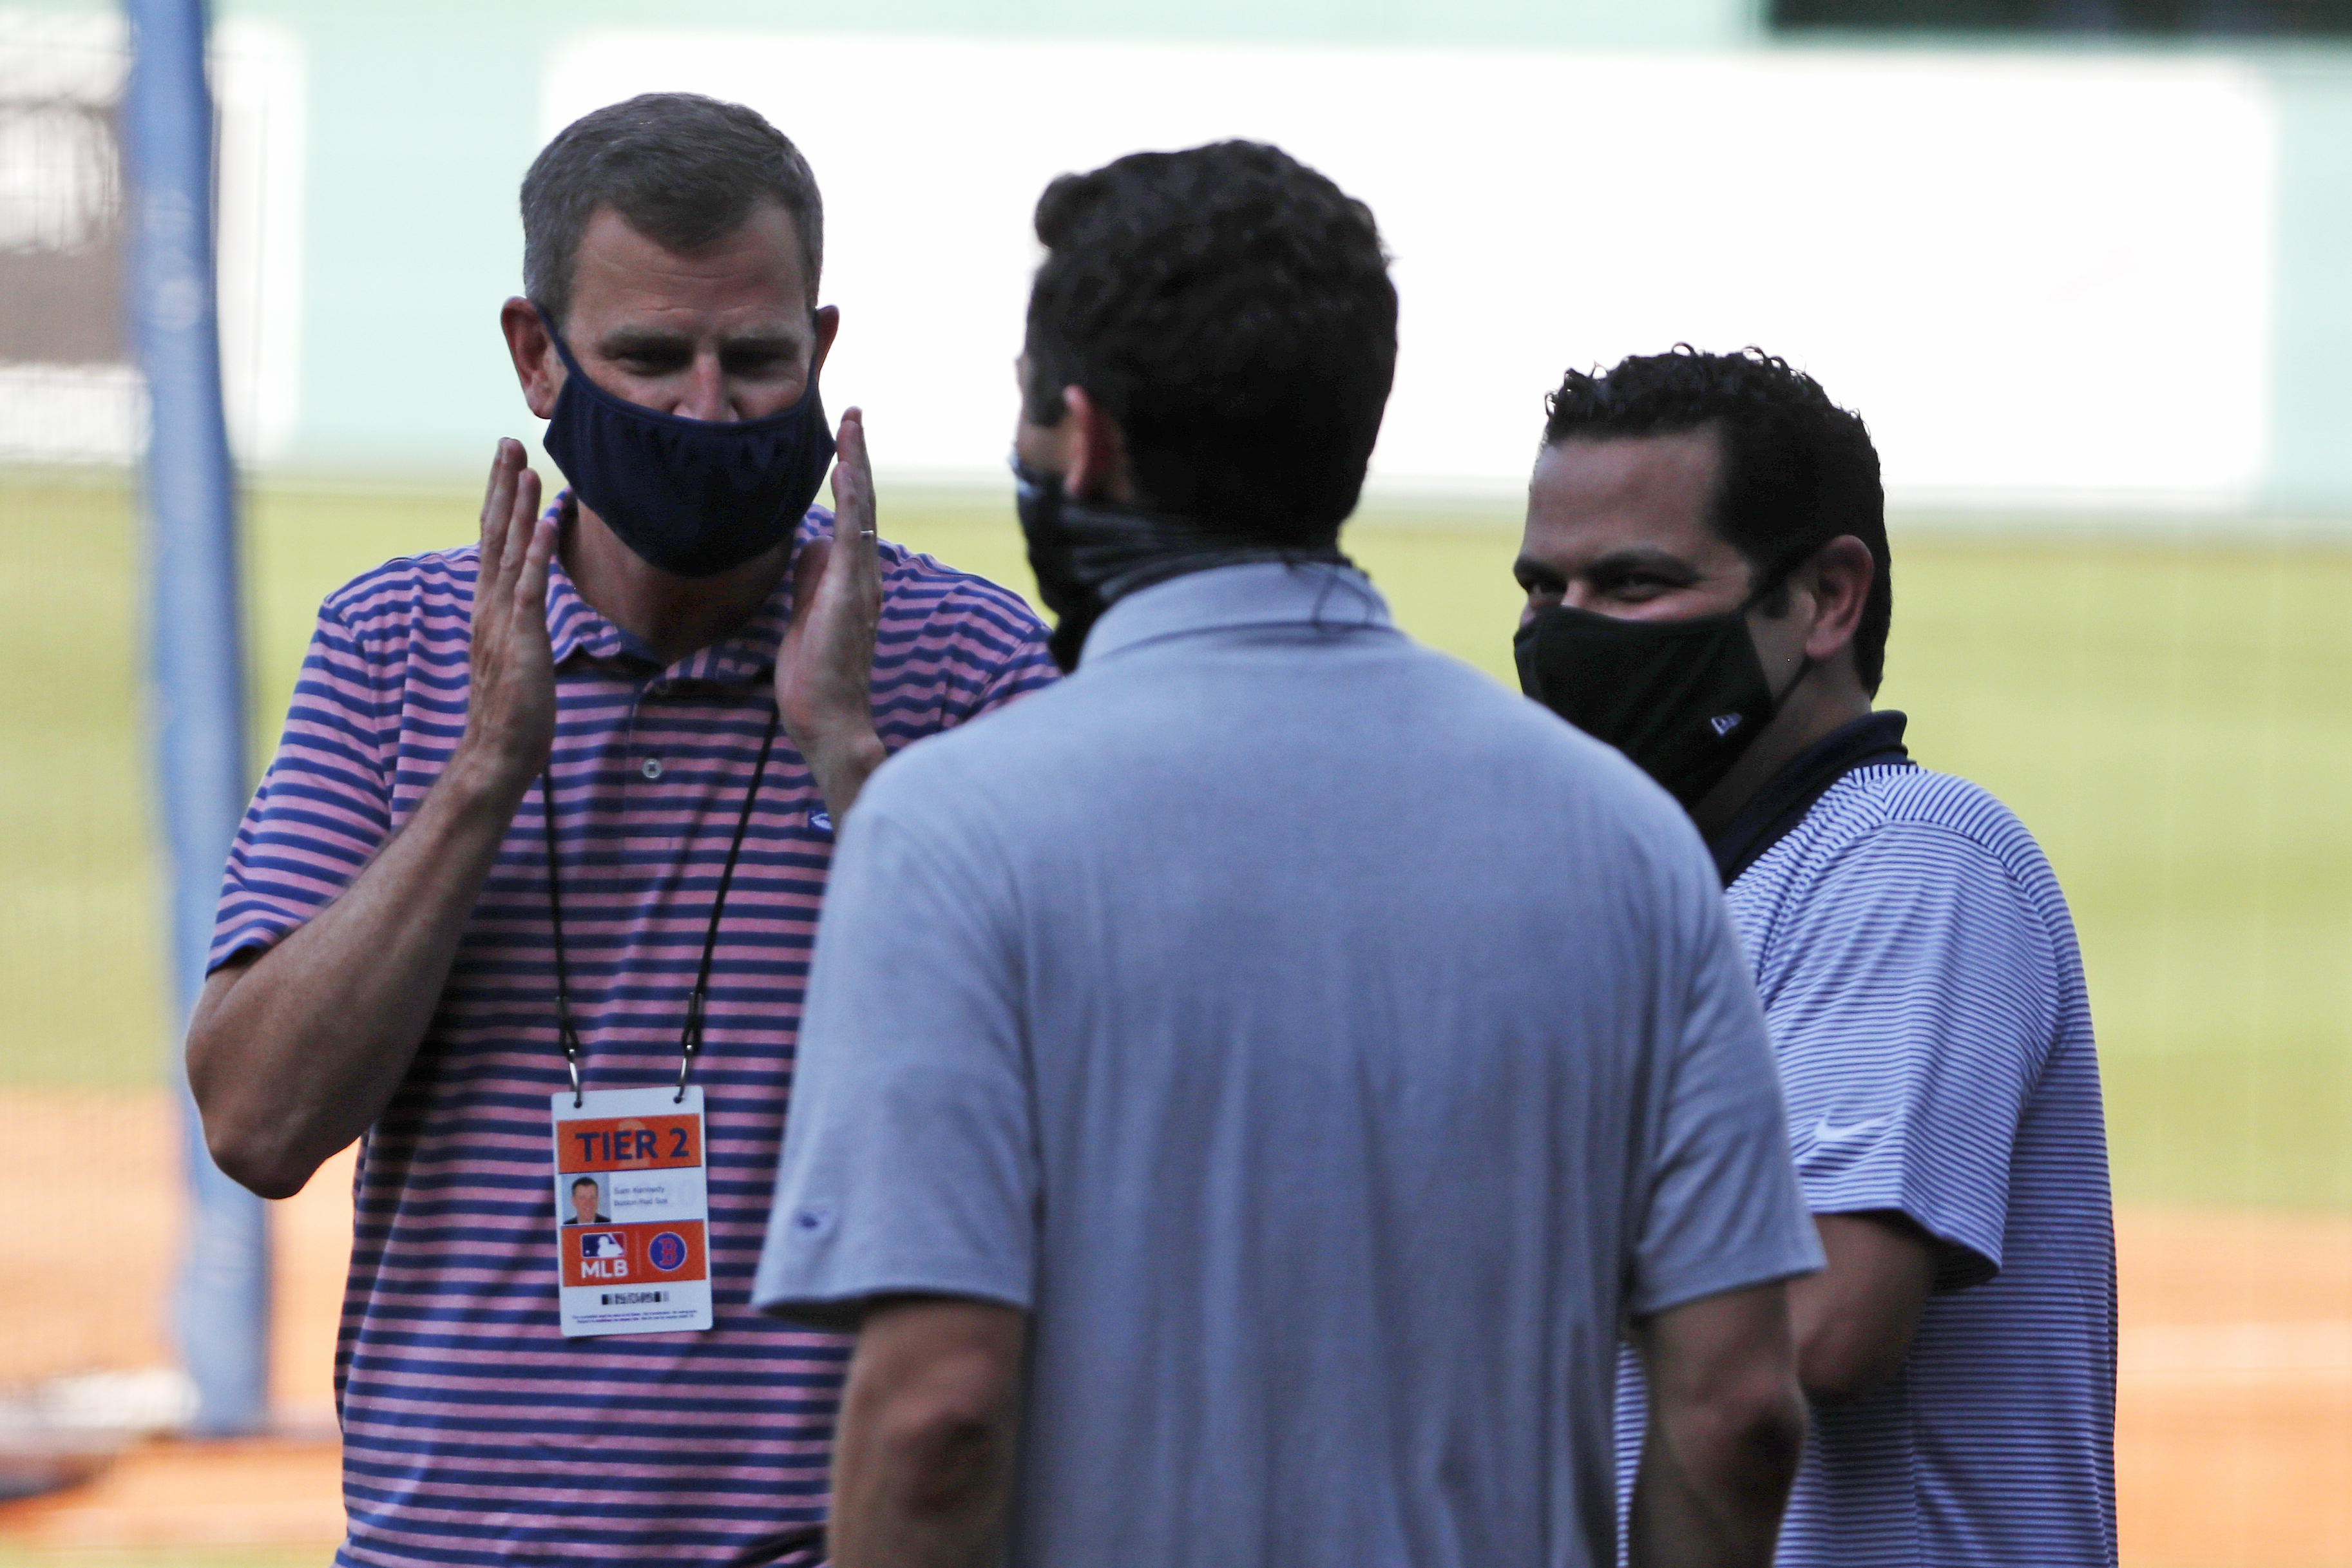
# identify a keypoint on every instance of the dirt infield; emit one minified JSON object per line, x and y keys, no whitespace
{"x":262,"y":1492}
{"x":2234,"y":1411}
{"x":93,"y":1192}
{"x":2234,"y":1441}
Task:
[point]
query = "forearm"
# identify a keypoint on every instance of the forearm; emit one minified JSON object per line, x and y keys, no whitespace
{"x":296,"y":1056}
{"x":1727,"y":1429}
{"x":1855,"y":1320}
{"x":923,"y":1460}
{"x":937,"y":1504}
{"x":1710,"y":1490}
{"x":1665,"y":1525}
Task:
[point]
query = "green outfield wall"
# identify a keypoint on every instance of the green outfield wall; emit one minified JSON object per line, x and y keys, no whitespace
{"x":2311,"y":458}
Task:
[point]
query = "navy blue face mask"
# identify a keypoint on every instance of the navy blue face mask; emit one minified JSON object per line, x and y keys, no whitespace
{"x":692,"y":497}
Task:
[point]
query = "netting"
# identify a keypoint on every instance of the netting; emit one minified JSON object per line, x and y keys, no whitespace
{"x":78,"y":938}
{"x":94,"y":1176}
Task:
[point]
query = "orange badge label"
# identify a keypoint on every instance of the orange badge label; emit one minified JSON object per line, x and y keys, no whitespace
{"x":656,"y":1253}
{"x":629,"y":1143}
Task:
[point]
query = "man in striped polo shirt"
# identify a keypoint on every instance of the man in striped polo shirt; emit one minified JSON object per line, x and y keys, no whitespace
{"x":526,"y":899}
{"x":1707,"y":571}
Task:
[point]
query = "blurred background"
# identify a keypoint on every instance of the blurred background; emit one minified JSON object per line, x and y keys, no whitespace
{"x":2081,"y":264}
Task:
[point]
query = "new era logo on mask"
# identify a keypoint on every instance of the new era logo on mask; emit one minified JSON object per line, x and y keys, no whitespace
{"x":1724,"y":724}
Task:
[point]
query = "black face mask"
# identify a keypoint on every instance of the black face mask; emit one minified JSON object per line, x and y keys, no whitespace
{"x":1682,"y":698}
{"x":1088,"y":557}
{"x":690,"y":496}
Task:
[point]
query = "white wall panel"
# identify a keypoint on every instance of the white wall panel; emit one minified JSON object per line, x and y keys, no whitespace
{"x":2040,"y":277}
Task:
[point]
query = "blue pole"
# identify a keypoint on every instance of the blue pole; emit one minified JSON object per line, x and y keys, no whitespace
{"x":197,"y":659}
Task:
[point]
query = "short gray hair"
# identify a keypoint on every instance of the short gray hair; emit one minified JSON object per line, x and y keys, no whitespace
{"x":683,"y":169}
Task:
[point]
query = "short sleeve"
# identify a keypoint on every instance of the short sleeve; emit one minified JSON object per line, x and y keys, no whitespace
{"x":951,"y":646}
{"x":1026,"y":665}
{"x":909,"y":1159}
{"x":324,"y":806}
{"x":1912,"y":1015}
{"x":1721,"y":1209}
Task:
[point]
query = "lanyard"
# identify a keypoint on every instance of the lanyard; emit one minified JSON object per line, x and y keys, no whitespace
{"x":690,"y":1039}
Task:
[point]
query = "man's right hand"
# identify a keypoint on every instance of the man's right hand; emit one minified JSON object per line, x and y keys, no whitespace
{"x":295,"y":1052}
{"x":510,"y":692}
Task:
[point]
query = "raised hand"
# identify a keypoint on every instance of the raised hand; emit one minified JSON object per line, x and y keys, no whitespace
{"x":510,"y":692}
{"x":296,"y":1052}
{"x":824,"y":670}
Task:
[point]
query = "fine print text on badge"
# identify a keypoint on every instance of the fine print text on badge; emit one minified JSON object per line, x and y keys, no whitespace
{"x":633,"y":1211}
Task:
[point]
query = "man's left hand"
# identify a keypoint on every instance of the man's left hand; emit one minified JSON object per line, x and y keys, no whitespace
{"x":824,"y":670}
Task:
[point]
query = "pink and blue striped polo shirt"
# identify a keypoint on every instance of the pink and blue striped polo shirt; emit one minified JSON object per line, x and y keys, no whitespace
{"x":473,"y":1431}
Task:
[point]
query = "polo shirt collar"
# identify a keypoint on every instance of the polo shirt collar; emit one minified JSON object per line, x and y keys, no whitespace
{"x":1874,"y":739}
{"x":1225,"y":598}
{"x":576,"y":627}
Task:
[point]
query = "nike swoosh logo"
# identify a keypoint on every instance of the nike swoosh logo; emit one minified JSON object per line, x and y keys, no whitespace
{"x":1828,"y":1131}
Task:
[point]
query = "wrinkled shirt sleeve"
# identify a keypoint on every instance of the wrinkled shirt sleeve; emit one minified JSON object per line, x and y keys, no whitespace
{"x":909,"y":1161}
{"x":1721,"y":1209}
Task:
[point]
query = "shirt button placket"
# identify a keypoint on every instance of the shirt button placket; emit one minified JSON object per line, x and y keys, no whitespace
{"x":643,"y":839}
{"x":649,"y":768}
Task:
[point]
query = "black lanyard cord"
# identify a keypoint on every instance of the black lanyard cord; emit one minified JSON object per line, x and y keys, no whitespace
{"x":690,"y":1038}
{"x":565,"y":1033}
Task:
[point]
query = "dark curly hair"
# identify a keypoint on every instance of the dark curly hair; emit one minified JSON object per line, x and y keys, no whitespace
{"x":1798,"y":470}
{"x":1231,"y":310}
{"x":685,"y":170}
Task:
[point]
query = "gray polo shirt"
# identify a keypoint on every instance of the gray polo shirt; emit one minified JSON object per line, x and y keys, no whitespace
{"x":1326,"y":1047}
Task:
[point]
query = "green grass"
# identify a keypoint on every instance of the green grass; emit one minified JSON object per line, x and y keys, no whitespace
{"x":2172,"y":716}
{"x":79,"y":962}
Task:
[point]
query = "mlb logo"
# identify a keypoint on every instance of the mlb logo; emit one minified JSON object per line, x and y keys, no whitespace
{"x":671,"y":1251}
{"x":601,"y":1255}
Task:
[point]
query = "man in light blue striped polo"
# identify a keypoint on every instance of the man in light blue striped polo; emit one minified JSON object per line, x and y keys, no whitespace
{"x":1707,"y":571}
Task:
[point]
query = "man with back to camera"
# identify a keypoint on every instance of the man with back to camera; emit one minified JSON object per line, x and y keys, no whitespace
{"x":1707,"y":570}
{"x":1270,"y":1178}
{"x":680,"y":660}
